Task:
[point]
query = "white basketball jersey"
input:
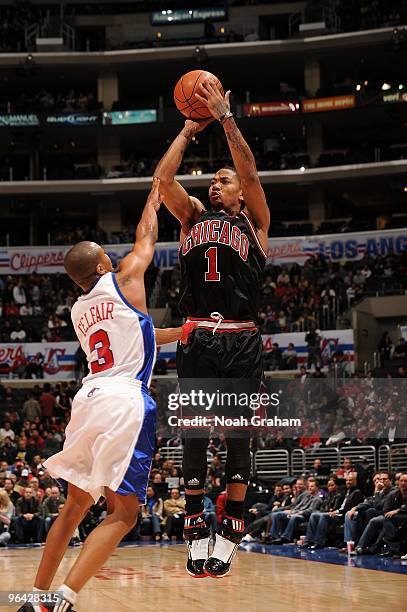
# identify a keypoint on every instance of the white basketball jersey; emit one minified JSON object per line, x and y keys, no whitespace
{"x":118,"y":339}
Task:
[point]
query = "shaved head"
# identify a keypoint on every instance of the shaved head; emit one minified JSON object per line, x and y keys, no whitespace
{"x":85,"y":262}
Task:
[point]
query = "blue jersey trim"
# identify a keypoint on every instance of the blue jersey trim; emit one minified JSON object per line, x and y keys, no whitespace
{"x":147,"y":331}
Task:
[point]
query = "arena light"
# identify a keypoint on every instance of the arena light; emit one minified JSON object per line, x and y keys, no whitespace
{"x":386,"y":86}
{"x":302,"y":169}
{"x":358,"y":87}
{"x":401,"y":86}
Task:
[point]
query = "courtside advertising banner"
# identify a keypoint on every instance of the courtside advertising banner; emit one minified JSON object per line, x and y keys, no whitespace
{"x":335,"y":247}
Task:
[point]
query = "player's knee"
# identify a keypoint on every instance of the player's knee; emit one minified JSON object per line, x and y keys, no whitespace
{"x":126,"y":510}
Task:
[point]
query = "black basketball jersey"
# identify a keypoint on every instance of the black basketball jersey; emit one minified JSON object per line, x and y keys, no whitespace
{"x":222,"y":265}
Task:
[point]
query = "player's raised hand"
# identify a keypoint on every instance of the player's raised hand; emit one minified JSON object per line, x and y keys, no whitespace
{"x":213,"y":99}
{"x":154,"y":197}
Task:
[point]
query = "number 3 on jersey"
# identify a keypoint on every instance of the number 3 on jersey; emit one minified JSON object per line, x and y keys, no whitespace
{"x":212,"y":273}
{"x":99,"y":341}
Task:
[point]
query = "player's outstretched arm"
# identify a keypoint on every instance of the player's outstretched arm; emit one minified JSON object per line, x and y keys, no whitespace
{"x":242,"y":156}
{"x":175,"y":197}
{"x":137,"y":262}
{"x":173,"y":334}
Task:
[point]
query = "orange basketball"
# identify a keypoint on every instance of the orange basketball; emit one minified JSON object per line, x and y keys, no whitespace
{"x":185,"y":90}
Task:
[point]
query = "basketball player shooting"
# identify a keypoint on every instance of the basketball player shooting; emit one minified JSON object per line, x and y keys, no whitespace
{"x":110,"y":438}
{"x":222,"y":255}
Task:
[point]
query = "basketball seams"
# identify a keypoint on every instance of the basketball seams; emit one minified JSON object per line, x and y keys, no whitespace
{"x":193,"y":109}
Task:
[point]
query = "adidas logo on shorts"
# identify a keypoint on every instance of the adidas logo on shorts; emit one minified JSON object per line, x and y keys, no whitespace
{"x":193,"y":481}
{"x":236,"y":477}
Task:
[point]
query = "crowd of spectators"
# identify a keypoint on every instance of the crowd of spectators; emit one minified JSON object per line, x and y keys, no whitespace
{"x":330,"y":505}
{"x":359,"y":513}
{"x":312,"y":296}
{"x":36,"y":307}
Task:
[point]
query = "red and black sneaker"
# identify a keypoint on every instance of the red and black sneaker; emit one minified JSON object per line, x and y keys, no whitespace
{"x":228,"y":538}
{"x":46,"y":607}
{"x":196,"y":536}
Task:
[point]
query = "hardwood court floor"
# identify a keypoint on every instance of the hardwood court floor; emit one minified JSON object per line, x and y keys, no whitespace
{"x":152,"y":577}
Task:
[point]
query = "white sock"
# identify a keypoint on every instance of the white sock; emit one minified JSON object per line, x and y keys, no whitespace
{"x":199,"y":549}
{"x":224,"y":549}
{"x":68,"y":597}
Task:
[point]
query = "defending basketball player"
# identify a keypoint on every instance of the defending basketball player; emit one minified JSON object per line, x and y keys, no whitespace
{"x":222,"y":255}
{"x":110,"y":438}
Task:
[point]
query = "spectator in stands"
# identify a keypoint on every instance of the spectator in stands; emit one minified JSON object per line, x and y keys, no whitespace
{"x":309,"y":437}
{"x":152,"y":513}
{"x":283,"y":278}
{"x":393,"y":432}
{"x":279,"y":441}
{"x":19,"y":295}
{"x":28,"y":523}
{"x":35,"y":366}
{"x":395,"y":521}
{"x":9,"y":489}
{"x":18,"y":333}
{"x":400,"y":352}
{"x":286,"y":522}
{"x":47,"y":402}
{"x":51,"y":446}
{"x":8,"y":451}
{"x":38,"y":493}
{"x":273,"y":359}
{"x":6,"y":516}
{"x":359,"y":516}
{"x":335,"y":518}
{"x":262,"y":513}
{"x":346,"y":469}
{"x":290,"y":358}
{"x":50,"y":507}
{"x":336,"y":437}
{"x":7,"y":432}
{"x":174,"y":510}
{"x":315,"y":536}
{"x":371,"y":539}
{"x":313,"y":341}
{"x":31,"y":407}
{"x":385,"y":345}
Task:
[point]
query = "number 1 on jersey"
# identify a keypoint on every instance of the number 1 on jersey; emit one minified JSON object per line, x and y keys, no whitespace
{"x":212,"y":273}
{"x":99,"y":342}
